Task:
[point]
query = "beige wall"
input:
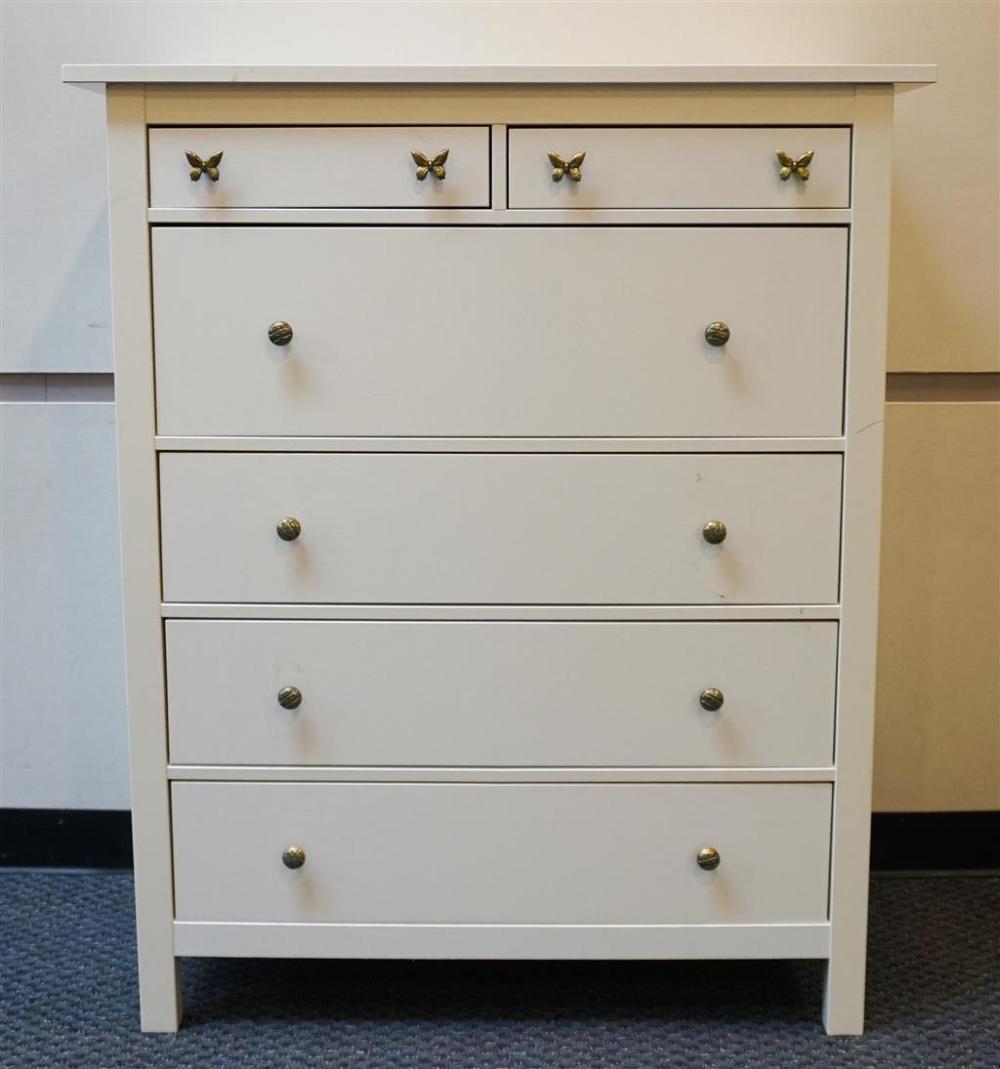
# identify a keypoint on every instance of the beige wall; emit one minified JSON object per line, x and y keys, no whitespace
{"x":938,"y":724}
{"x":945,"y":267}
{"x":938,"y":721}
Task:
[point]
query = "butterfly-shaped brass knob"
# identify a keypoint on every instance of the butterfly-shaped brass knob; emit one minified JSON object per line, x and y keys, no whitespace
{"x":562,"y":167}
{"x":799,"y":167}
{"x":434,"y":166}
{"x":200,"y":166}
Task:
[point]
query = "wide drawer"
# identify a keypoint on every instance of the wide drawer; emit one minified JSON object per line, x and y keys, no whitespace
{"x":501,"y":853}
{"x":496,"y":528}
{"x":543,"y":331}
{"x":679,"y":167}
{"x":441,"y":693}
{"x":319,"y":167}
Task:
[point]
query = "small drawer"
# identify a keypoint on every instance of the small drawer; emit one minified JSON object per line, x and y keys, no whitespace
{"x":501,"y":853}
{"x":678,"y":167}
{"x":497,"y":331}
{"x":283,"y":692}
{"x":470,"y":528}
{"x":319,"y":167}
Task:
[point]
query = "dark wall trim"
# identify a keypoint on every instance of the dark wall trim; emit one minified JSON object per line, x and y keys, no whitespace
{"x":946,"y":386}
{"x":66,"y":838}
{"x":102,"y":839}
{"x":935,"y":841}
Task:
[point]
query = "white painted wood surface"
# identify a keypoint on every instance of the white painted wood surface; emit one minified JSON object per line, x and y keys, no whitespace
{"x":844,"y":995}
{"x":273,"y":610}
{"x":159,"y":982}
{"x":497,"y":528}
{"x":570,"y":105}
{"x":501,"y":854}
{"x":679,"y":74}
{"x":642,"y":942}
{"x":500,"y":216}
{"x":468,"y":331}
{"x":554,"y":444}
{"x":500,"y":693}
{"x":495,"y":774}
{"x":679,"y":167}
{"x":309,"y":167}
{"x":603,"y":534}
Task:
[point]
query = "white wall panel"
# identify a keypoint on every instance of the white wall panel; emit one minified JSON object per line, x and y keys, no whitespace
{"x":62,"y":690}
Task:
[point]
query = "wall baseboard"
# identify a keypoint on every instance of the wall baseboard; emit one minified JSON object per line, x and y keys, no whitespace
{"x":957,"y":841}
{"x":102,"y":839}
{"x":66,"y":838}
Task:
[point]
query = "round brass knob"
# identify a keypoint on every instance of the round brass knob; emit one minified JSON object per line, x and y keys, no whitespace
{"x":714,"y":532}
{"x":289,"y":529}
{"x":711,"y":698}
{"x":280,"y":333}
{"x":717,"y":334}
{"x":708,"y":858}
{"x":291,"y":697}
{"x":293,"y":857}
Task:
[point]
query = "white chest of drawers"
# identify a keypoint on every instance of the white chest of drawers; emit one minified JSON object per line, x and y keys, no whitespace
{"x":500,"y":528}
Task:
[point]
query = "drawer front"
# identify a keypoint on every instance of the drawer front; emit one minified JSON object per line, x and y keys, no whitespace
{"x":516,"y":694}
{"x":319,"y":167}
{"x":474,"y":331}
{"x":501,"y":853}
{"x":679,"y":167}
{"x":500,"y":528}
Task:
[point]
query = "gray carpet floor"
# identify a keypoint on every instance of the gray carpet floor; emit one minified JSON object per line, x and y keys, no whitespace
{"x":68,"y":997}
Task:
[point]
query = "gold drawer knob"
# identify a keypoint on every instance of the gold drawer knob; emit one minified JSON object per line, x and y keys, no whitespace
{"x":708,"y":858}
{"x":200,"y":166}
{"x":714,"y":532}
{"x":711,"y":698}
{"x":790,"y":166}
{"x":290,"y":697}
{"x":288,"y":529}
{"x":561,"y":167}
{"x":434,"y":166}
{"x":293,"y":857}
{"x":280,"y":333}
{"x":717,"y":334}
